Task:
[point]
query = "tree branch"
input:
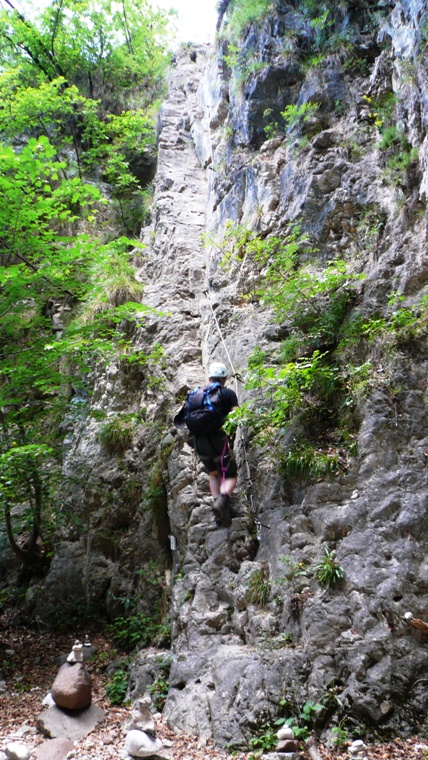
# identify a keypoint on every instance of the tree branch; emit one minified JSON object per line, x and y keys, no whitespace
{"x":35,"y":55}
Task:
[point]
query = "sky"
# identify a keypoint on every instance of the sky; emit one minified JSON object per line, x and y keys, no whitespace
{"x":197,"y":18}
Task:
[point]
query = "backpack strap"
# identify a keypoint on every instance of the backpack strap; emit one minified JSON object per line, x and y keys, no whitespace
{"x":207,"y":400}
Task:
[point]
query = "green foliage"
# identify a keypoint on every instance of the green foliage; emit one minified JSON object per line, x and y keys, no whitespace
{"x":328,"y":572}
{"x":304,"y":462}
{"x":272,"y":127}
{"x":303,"y":383}
{"x":244,"y":12}
{"x":392,"y":137}
{"x":294,"y":570}
{"x":340,"y":737}
{"x":116,"y":436}
{"x":265,"y":739}
{"x":282,"y":392}
{"x":159,"y":691}
{"x":331,"y":37}
{"x":313,"y":61}
{"x":400,"y":155}
{"x":281,"y":641}
{"x":97,"y":44}
{"x":371,"y":224}
{"x":297,"y":115}
{"x":70,"y":74}
{"x":321,"y":22}
{"x":291,"y":280}
{"x":310,"y":8}
{"x":259,"y":588}
{"x":155,"y":497}
{"x":243,"y":62}
{"x":399,"y":327}
{"x":291,"y":117}
{"x":117,"y":687}
{"x":160,"y":687}
{"x":381,"y":109}
{"x":137,"y":630}
{"x":143,"y":620}
{"x":68,"y":82}
{"x":72,"y":614}
{"x":303,"y":722}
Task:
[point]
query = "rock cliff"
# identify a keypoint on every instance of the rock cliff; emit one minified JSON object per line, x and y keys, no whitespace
{"x":237,"y":655}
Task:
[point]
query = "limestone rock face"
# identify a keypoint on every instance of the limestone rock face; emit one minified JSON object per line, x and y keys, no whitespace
{"x":72,"y":687}
{"x":250,"y":622}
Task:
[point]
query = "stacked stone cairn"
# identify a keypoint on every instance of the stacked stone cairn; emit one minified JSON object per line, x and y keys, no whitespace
{"x":286,"y":741}
{"x":72,"y":688}
{"x":287,"y":747}
{"x":357,"y":750}
{"x":140,"y":729}
{"x":70,"y":714}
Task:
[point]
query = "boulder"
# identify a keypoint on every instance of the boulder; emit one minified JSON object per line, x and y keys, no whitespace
{"x":17,"y":751}
{"x":140,"y":744}
{"x":72,"y":687}
{"x":54,"y":749}
{"x":56,"y":723}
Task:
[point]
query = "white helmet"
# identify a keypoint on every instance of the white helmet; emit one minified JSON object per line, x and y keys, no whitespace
{"x":217,"y":369}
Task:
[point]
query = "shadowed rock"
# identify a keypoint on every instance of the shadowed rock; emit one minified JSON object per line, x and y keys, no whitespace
{"x":56,"y":723}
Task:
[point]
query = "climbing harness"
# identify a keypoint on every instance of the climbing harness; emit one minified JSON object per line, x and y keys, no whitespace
{"x":223,"y":467}
{"x":226,"y":446}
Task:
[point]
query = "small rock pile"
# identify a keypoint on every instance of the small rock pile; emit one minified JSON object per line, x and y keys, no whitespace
{"x":286,"y":741}
{"x":70,"y":714}
{"x":140,"y":729}
{"x":287,"y":748}
{"x":357,"y":750}
{"x":72,"y":688}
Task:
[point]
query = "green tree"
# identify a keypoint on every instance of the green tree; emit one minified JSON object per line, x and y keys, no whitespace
{"x":63,"y":125}
{"x":87,"y":75}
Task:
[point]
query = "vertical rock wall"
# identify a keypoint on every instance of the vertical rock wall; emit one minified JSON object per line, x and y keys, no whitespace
{"x":235,"y":660}
{"x":349,"y":646}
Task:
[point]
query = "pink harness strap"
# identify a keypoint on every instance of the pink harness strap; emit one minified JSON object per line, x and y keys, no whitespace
{"x":223,"y":468}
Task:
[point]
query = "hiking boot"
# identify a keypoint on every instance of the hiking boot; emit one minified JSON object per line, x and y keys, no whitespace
{"x":221,"y":511}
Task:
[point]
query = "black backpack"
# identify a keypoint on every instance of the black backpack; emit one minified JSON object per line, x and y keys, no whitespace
{"x":204,"y":413}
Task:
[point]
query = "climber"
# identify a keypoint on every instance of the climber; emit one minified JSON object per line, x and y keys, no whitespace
{"x":204,"y":413}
